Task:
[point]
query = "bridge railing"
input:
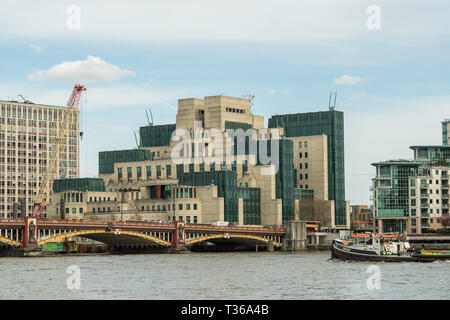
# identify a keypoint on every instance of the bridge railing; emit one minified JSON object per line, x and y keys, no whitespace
{"x":235,"y":227}
{"x":103,"y":223}
{"x":11,"y":220}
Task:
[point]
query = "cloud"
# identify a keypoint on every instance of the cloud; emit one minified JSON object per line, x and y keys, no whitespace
{"x":288,"y":21}
{"x":358,"y":96}
{"x":348,"y":80}
{"x":90,"y":70}
{"x":36,"y":48}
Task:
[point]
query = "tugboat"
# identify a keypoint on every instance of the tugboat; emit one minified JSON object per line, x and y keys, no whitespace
{"x":388,"y":247}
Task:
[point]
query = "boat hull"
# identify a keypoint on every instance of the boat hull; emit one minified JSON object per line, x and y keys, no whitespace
{"x":345,"y":253}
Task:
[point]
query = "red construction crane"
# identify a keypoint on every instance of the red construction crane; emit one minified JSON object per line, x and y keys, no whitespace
{"x":40,"y":200}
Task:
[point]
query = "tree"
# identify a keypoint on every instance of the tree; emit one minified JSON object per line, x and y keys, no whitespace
{"x":444,"y":220}
{"x":315,"y":210}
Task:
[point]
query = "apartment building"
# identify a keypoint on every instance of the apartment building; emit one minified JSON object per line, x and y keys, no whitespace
{"x":28,"y":134}
{"x":411,"y":195}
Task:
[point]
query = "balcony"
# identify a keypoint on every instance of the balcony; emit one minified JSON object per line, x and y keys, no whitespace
{"x":424,"y":204}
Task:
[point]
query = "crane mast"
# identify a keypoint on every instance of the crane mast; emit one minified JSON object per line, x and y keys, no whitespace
{"x":41,"y":197}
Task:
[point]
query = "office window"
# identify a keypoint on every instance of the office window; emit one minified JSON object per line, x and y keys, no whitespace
{"x":195,"y":219}
{"x":188,"y":206}
{"x":74,"y":210}
{"x":129,"y":172}
{"x":188,"y":219}
{"x":139,"y":172}
{"x":195,"y":206}
{"x":81,"y":210}
{"x":180,"y":206}
{"x":169,"y":170}
{"x":158,"y":171}
{"x":149,"y":171}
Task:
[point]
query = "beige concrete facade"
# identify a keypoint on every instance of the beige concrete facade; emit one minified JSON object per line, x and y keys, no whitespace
{"x":428,"y":200}
{"x":151,"y":190}
{"x":311,"y":163}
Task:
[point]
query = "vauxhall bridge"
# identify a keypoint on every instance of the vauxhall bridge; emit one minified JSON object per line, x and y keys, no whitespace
{"x":27,"y":234}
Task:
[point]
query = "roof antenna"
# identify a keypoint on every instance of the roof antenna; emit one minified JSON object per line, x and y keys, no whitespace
{"x":250,"y":97}
{"x":24,"y":100}
{"x":331,"y":107}
{"x":148,"y":120}
{"x":138,"y":145}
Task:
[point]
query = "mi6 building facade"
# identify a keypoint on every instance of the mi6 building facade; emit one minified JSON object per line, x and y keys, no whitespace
{"x":325,"y":128}
{"x":216,"y":163}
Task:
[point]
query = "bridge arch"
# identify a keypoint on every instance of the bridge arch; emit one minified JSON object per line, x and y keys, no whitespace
{"x":7,"y":241}
{"x":110,"y":238}
{"x":253,"y":238}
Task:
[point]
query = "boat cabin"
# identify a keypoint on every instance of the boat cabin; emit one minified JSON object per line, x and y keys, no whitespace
{"x":382,"y":244}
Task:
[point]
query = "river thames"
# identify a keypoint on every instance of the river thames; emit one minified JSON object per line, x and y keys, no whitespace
{"x":228,"y":276}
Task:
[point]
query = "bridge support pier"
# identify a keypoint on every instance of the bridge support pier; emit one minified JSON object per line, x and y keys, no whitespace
{"x":295,"y":239}
{"x":270,"y":247}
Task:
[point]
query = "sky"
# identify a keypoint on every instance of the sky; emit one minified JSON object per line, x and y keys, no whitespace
{"x":388,"y":61}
